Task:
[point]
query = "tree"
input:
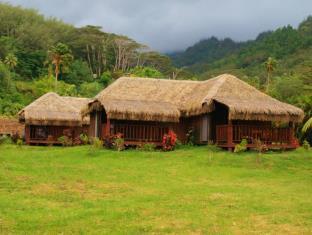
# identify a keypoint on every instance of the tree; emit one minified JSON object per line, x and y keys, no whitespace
{"x":307,"y":125}
{"x":90,"y":89}
{"x":60,"y":57}
{"x":5,"y":78}
{"x":47,"y":83}
{"x":126,"y":53}
{"x":78,"y":73}
{"x":270,"y":66}
{"x":106,"y":78}
{"x":11,"y":61}
{"x":148,"y":72}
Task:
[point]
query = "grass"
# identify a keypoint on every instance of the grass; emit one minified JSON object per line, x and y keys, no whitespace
{"x":193,"y":190}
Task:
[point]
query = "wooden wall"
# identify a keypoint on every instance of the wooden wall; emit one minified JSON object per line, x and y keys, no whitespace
{"x":217,"y":117}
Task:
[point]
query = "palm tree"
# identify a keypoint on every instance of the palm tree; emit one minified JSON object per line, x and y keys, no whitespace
{"x":307,"y":125}
{"x":60,"y":57}
{"x":11,"y":61}
{"x":270,"y":66}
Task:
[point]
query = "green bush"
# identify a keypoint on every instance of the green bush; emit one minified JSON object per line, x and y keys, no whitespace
{"x":65,"y":141}
{"x":5,"y":140}
{"x":96,"y":143}
{"x":20,"y":142}
{"x":241,"y":147}
{"x":84,"y":139}
{"x":148,"y":147}
{"x":190,"y":136}
{"x":119,"y":144}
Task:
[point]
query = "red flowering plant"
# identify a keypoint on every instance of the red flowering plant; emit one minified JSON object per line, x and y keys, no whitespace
{"x":169,"y":141}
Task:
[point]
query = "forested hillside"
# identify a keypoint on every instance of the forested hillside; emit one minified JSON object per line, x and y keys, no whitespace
{"x":278,"y":62}
{"x":34,"y":50}
{"x":206,"y":51}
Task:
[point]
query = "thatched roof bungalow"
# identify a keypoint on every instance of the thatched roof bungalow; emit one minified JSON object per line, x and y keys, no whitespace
{"x":51,"y":116}
{"x":209,"y":107}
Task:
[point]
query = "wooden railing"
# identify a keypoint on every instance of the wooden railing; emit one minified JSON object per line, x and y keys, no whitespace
{"x":228,"y":135}
{"x":140,"y":132}
{"x":48,"y":133}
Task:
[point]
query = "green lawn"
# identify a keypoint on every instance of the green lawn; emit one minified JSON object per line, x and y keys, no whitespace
{"x":194,"y":190}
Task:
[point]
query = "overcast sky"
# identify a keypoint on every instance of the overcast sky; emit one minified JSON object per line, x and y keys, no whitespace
{"x":168,"y":25}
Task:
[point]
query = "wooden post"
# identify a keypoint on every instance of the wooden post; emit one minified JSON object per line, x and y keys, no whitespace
{"x":107,"y":129}
{"x":291,"y":133}
{"x":230,"y":135}
{"x":27,"y":134}
{"x":96,"y":125}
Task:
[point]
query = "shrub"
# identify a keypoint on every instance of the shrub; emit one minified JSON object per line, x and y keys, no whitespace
{"x":119,"y":143}
{"x":260,"y":147}
{"x":148,"y":147}
{"x":190,"y":137}
{"x":84,"y":139}
{"x":241,"y":147}
{"x":115,"y":141}
{"x":178,"y":144}
{"x":109,"y":141}
{"x":5,"y":139}
{"x":96,"y":143}
{"x":15,"y":137}
{"x":169,"y":141}
{"x":65,"y":141}
{"x":19,"y":142}
{"x":306,"y":145}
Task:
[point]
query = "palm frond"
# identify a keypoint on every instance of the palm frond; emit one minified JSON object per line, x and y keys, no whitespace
{"x":307,"y":125}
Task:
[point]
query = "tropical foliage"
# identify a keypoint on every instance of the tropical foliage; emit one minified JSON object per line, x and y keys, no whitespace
{"x":41,"y":54}
{"x":277,"y":62}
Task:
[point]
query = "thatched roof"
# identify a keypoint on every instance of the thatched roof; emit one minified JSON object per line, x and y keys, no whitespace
{"x":168,"y":100}
{"x":52,"y":109}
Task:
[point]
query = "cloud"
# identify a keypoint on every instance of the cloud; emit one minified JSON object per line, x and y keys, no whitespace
{"x":169,"y":25}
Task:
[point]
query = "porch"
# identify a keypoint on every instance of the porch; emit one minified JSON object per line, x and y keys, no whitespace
{"x":47,"y":135}
{"x":139,"y":133}
{"x":229,"y":135}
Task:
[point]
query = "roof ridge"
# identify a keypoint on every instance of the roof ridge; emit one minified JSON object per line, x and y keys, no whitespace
{"x":214,"y":89}
{"x":160,"y":79}
{"x":74,"y":97}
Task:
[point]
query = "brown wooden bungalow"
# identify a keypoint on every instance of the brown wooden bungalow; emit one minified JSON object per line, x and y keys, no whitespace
{"x":222,"y":109}
{"x":52,"y":116}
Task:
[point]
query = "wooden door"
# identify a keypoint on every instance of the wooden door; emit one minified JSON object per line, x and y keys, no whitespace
{"x":205,"y":128}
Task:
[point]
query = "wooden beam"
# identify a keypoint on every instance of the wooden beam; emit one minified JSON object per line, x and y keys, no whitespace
{"x":292,"y":133}
{"x":107,"y":127}
{"x":230,"y":135}
{"x":27,"y":134}
{"x":96,"y":125}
